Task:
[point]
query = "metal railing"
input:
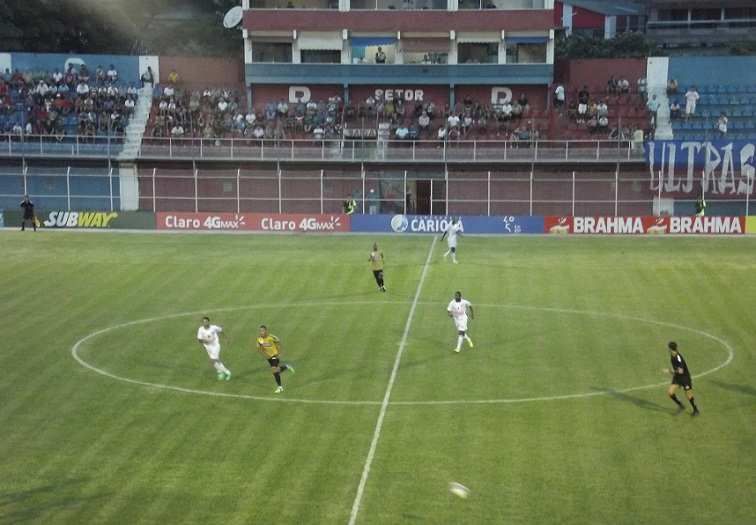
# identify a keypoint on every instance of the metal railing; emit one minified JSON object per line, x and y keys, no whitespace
{"x":434,"y":192}
{"x":341,"y":150}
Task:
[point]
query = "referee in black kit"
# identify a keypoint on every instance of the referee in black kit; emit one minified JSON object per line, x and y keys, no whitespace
{"x":680,"y":377}
{"x":28,"y":207}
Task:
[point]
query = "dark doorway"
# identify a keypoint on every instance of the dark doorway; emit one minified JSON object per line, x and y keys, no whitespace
{"x":423,"y":197}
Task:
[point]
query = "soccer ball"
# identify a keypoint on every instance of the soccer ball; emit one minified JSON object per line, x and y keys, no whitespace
{"x":459,"y":490}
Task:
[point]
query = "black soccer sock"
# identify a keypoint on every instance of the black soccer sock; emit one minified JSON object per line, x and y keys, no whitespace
{"x":283,"y":368}
{"x":692,"y":402}
{"x":380,"y":282}
{"x":673,"y":397}
{"x":278,"y":378}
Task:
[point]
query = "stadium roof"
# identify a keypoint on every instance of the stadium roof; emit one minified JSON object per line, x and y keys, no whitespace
{"x":610,"y":8}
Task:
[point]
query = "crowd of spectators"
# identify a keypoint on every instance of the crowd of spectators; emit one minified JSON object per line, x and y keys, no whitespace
{"x":70,"y":102}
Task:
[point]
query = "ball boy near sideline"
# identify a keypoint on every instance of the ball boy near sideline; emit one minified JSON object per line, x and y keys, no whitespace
{"x":680,"y":377}
{"x":207,"y":335}
{"x":270,"y":347}
{"x":376,"y":264}
{"x":458,"y":310}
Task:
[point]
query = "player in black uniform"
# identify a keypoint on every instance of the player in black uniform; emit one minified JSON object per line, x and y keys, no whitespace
{"x":28,"y":207}
{"x":680,"y":377}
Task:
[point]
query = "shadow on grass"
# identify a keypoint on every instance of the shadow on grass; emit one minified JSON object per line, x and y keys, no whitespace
{"x":746,"y":390}
{"x":35,"y":505}
{"x":633,"y":400}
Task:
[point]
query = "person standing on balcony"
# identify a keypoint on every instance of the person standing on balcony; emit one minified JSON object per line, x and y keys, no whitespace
{"x":380,"y":56}
{"x":559,"y":96}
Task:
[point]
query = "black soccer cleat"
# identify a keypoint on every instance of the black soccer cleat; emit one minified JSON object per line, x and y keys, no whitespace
{"x":695,"y":413}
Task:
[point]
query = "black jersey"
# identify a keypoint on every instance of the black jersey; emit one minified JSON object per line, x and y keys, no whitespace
{"x":678,"y":362}
{"x":28,"y":207}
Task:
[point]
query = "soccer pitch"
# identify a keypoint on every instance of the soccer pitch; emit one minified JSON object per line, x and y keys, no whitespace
{"x":111,"y":412}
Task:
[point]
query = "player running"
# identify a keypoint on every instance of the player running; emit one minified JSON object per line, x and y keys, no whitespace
{"x":458,"y":310}
{"x":451,"y":232}
{"x":680,"y":377}
{"x":207,"y":335}
{"x":376,"y":264}
{"x":270,"y":347}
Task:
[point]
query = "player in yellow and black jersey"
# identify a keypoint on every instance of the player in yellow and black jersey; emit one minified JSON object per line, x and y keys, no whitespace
{"x":376,"y":264}
{"x":270,"y":347}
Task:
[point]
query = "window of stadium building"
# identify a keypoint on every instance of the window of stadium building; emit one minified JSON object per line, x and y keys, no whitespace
{"x":418,"y":57}
{"x":374,"y":54}
{"x":321,"y":56}
{"x":294,"y":4}
{"x":484,"y":53}
{"x":271,"y":52}
{"x":672,"y":15}
{"x":399,"y":5}
{"x":502,"y":4}
{"x":526,"y":53}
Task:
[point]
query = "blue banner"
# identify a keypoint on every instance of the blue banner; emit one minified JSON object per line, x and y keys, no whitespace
{"x":127,"y":66}
{"x":437,"y":224}
{"x":724,"y":167}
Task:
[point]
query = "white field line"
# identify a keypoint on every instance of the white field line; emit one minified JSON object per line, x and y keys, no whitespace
{"x":389,"y":389}
{"x":75,"y":354}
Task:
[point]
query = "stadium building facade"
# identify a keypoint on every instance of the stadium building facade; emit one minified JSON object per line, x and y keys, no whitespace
{"x":439,"y":51}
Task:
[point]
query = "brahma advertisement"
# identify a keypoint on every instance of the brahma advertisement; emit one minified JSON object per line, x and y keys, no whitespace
{"x":645,"y":225}
{"x":270,"y":222}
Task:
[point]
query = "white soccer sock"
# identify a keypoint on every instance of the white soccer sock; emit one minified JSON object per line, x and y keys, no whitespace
{"x":224,"y":369}
{"x":459,"y":341}
{"x":467,"y":338}
{"x":218,"y":366}
{"x":446,"y":254}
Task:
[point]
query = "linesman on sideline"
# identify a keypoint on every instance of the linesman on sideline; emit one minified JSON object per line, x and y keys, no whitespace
{"x":701,"y":205}
{"x":270,"y":347}
{"x":376,"y":264}
{"x":28,"y":207}
{"x":680,"y":377}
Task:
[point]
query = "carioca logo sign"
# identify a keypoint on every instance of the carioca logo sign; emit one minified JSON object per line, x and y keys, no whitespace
{"x":80,"y":219}
{"x":417,"y":224}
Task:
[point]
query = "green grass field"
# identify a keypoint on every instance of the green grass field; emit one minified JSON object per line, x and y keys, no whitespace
{"x":558,"y":416}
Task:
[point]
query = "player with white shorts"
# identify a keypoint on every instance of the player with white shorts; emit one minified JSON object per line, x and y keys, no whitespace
{"x":207,"y":335}
{"x":460,"y":310}
{"x":451,"y":233}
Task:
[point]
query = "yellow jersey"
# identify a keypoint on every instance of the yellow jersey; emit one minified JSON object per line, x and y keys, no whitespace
{"x":269,"y":345}
{"x":376,"y":261}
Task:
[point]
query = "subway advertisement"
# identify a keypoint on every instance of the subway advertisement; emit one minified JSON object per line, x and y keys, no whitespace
{"x":83,"y":219}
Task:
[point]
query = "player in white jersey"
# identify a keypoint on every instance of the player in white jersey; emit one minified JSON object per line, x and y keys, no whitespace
{"x":207,"y":335}
{"x":451,"y":233}
{"x":459,"y":309}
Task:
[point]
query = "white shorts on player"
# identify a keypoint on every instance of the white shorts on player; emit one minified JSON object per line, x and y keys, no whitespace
{"x":207,"y":335}
{"x":461,"y":310}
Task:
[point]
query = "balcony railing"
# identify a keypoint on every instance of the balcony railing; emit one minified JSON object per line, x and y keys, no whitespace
{"x":340,"y":150}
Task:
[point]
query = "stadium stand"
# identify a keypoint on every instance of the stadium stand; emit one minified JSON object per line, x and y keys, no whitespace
{"x":71,"y":102}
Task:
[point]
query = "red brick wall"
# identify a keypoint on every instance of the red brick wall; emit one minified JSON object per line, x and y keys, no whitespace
{"x":199,"y":72}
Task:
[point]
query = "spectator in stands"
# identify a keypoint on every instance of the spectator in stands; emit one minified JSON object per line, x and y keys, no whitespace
{"x":603,"y":122}
{"x":517,"y":109}
{"x":671,"y":87}
{"x":592,"y":123}
{"x":612,"y":86}
{"x":380,"y":56}
{"x":402,"y":132}
{"x":57,"y":77}
{"x":653,"y":108}
{"x":148,"y":77}
{"x":100,"y":75}
{"x":82,"y":89}
{"x":602,"y":110}
{"x":523,"y":101}
{"x":674,"y":109}
{"x":423,"y":121}
{"x":572,"y":110}
{"x":721,"y":129}
{"x":691,"y":100}
{"x":623,"y":85}
{"x":559,"y":97}
{"x":169,"y":91}
{"x":642,"y":86}
{"x":112,"y":74}
{"x":507,"y":109}
{"x":453,"y":121}
{"x":173,"y":77}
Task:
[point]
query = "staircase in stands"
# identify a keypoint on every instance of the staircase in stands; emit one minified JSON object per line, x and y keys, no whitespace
{"x":137,"y":125}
